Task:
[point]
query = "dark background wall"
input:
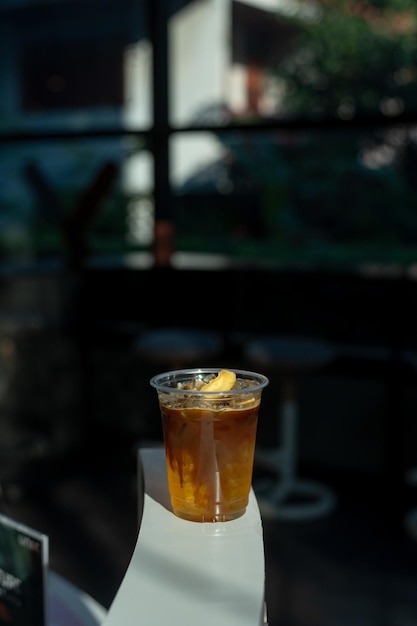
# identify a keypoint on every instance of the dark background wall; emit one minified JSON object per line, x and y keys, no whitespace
{"x":69,"y":368}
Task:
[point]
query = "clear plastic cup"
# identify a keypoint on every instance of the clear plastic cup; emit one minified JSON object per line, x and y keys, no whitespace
{"x":209,"y":439}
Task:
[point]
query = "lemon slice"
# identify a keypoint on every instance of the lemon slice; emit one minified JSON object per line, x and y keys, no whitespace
{"x":224,"y":381}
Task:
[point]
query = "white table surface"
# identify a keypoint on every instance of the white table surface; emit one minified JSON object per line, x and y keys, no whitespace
{"x":185,"y":573}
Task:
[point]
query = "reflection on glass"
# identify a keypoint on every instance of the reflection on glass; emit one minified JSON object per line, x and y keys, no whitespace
{"x":73,"y":200}
{"x":317,"y":199}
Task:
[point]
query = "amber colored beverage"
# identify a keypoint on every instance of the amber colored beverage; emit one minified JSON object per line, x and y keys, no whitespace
{"x":209,"y":443}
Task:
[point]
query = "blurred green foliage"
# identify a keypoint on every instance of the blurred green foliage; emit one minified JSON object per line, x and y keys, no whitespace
{"x":351,"y":57}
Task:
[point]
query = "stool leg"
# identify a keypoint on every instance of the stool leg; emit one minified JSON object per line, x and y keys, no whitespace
{"x":289,"y":441}
{"x":313,"y":500}
{"x":410,"y":519}
{"x":282,"y":459}
{"x":288,"y":428}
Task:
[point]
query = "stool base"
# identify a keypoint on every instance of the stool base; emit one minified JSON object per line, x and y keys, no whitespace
{"x":293,"y":501}
{"x":286,"y":497}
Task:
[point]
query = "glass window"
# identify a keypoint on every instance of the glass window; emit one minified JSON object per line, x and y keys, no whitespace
{"x":74,"y":199}
{"x":284,"y":130}
{"x":289,"y":59}
{"x":76,"y":65}
{"x":322,"y":199}
{"x":52,"y":80}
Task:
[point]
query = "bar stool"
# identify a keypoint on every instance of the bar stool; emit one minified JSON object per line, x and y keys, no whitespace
{"x":177,"y":347}
{"x":290,"y":498}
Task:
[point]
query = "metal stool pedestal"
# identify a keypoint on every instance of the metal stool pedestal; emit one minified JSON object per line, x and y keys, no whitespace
{"x":291,"y":498}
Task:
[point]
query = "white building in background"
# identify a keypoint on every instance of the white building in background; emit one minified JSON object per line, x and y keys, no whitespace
{"x":220,"y":52}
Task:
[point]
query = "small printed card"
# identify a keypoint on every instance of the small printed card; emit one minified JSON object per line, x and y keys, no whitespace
{"x":23,"y":574}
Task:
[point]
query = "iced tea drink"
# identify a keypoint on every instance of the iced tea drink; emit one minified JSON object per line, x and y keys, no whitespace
{"x":209,"y":419}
